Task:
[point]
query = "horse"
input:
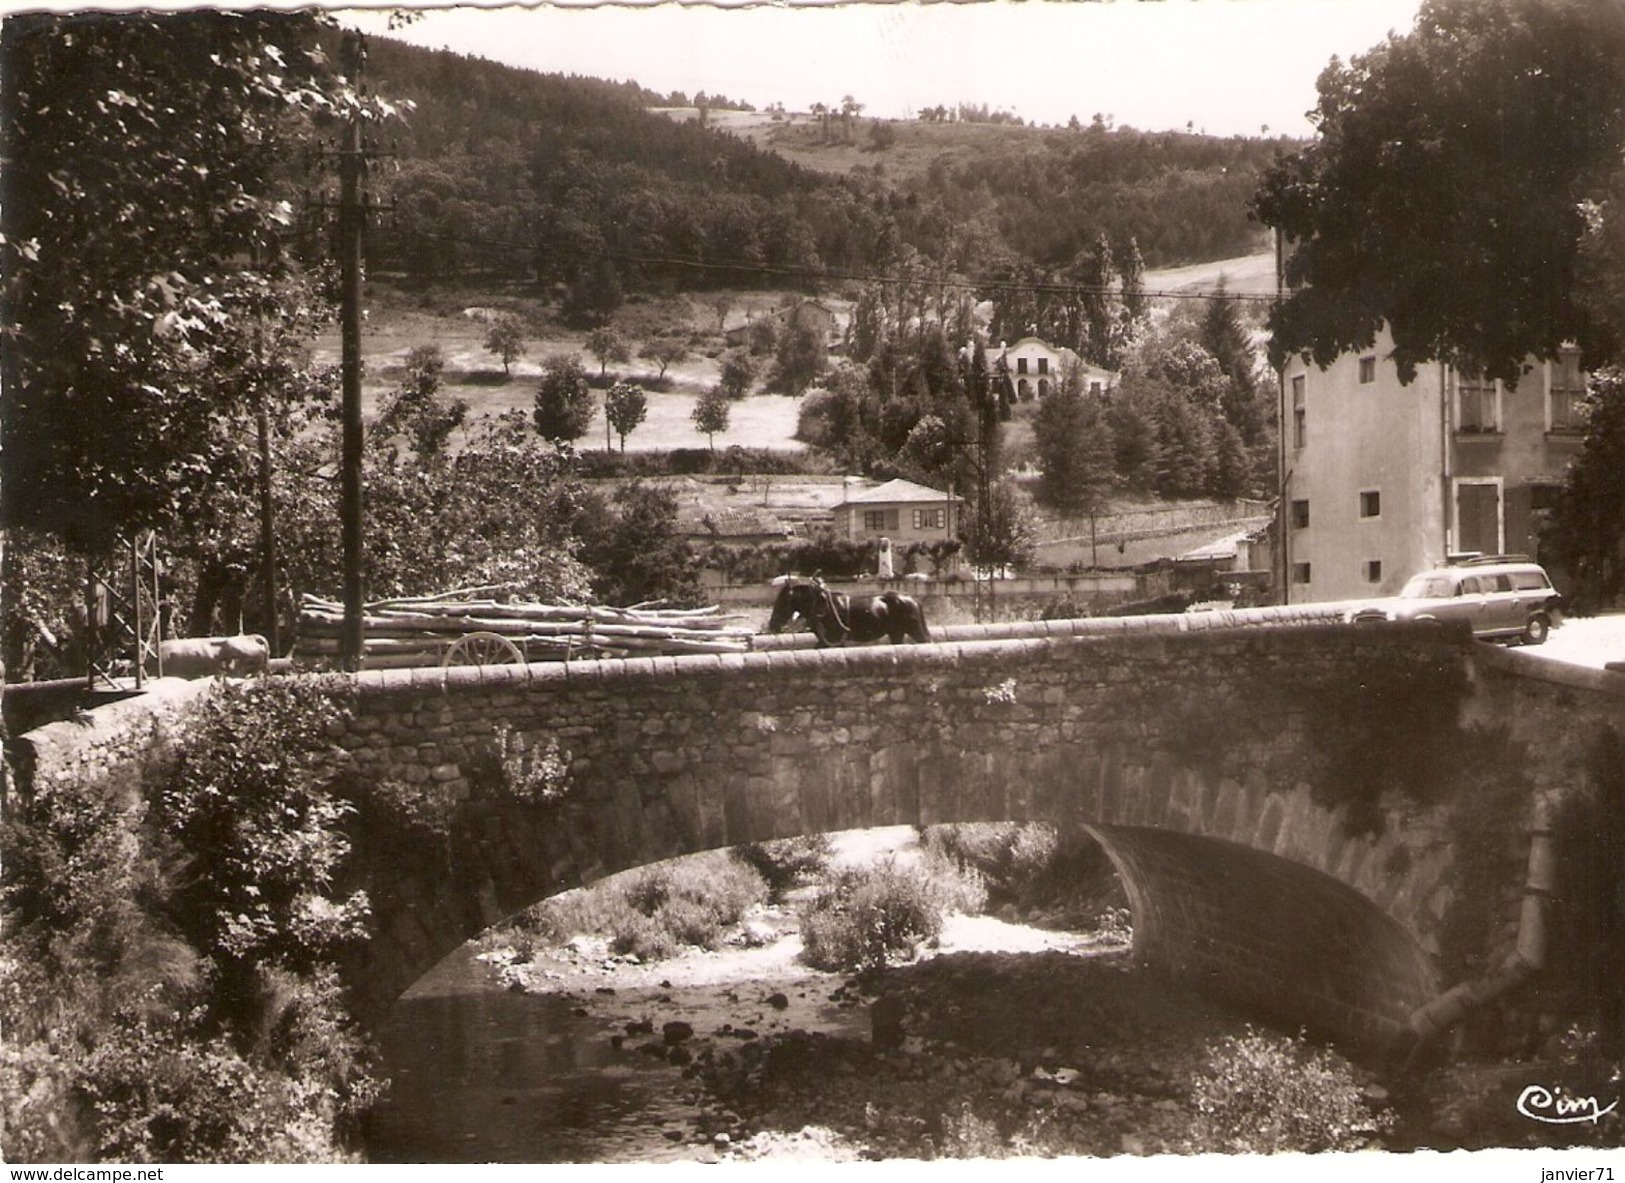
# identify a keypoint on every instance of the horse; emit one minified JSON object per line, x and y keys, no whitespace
{"x":836,"y":618}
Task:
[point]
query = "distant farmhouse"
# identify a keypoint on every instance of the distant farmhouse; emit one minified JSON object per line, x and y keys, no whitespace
{"x":813,"y":313}
{"x":901,"y":511}
{"x":1385,"y":480}
{"x":1032,"y":368}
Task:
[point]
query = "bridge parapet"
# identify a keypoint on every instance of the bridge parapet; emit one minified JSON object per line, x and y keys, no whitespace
{"x":1287,"y":799}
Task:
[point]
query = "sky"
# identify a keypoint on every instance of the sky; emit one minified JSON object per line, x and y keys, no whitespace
{"x":1231,"y":67}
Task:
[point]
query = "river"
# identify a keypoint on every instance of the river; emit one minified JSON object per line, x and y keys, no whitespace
{"x":559,"y":1069}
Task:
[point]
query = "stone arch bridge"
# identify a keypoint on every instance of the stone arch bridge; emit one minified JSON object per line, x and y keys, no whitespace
{"x":1344,"y":828}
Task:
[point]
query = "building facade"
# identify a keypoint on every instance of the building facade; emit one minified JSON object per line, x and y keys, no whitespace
{"x":901,"y":511}
{"x":1034,"y":368}
{"x":1383,"y":480}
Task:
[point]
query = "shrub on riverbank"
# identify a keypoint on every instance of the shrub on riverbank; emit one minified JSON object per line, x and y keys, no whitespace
{"x":650,"y":913}
{"x":869,"y":916}
{"x":1065,"y":881}
{"x":786,"y":862}
{"x":1262,"y":1093}
{"x":165,"y":980}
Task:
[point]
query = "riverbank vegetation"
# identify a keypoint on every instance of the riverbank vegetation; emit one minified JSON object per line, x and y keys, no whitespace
{"x":167,"y":980}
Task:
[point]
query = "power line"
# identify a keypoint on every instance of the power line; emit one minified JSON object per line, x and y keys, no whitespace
{"x":825,"y":275}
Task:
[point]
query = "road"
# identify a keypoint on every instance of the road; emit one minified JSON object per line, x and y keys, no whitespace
{"x":1591,"y":641}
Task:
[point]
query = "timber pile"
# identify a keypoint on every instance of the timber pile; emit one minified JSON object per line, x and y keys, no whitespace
{"x":422,"y":631}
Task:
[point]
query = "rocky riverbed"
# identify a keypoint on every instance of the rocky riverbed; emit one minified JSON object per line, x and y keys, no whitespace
{"x":1003,"y":1039}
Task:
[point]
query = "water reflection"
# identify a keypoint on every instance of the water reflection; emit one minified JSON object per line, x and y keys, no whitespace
{"x":481,"y":1074}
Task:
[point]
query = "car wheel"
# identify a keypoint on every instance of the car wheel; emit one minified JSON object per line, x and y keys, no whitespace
{"x":1534,"y":633}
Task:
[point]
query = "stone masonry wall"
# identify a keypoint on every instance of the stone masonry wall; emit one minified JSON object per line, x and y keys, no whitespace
{"x":1194,"y":746}
{"x":1076,"y":726}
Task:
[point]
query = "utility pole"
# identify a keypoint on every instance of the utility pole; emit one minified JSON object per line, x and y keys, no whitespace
{"x":1282,"y":520}
{"x":352,"y":219}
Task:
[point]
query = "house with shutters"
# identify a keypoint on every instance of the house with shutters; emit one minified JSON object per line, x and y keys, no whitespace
{"x":1383,"y":480}
{"x":901,"y":511}
{"x":1032,"y":368}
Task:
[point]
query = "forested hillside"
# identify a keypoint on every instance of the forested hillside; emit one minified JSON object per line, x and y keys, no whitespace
{"x":506,"y":174}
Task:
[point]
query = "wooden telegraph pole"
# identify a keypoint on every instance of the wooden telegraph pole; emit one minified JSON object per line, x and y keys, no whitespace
{"x":352,"y":218}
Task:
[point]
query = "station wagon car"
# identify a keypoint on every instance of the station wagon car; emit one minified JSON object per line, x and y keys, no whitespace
{"x":1502,"y":597}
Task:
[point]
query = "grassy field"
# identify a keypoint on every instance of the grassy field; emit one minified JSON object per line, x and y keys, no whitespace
{"x":396,"y":324}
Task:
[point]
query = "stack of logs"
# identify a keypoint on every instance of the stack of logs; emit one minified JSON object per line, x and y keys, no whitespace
{"x":427,"y":631}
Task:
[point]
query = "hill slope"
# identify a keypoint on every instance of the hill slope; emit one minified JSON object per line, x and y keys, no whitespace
{"x":513,"y":175}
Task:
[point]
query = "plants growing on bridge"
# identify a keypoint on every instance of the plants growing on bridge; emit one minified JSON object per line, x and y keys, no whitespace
{"x":508,"y":766}
{"x":251,"y":806}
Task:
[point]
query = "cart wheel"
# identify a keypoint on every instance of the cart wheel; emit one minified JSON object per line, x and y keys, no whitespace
{"x":483,"y":649}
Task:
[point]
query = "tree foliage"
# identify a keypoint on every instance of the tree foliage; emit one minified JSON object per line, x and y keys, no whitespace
{"x":1074,"y":451}
{"x":146,"y":199}
{"x":738,"y":374}
{"x":506,"y":339}
{"x":166,"y":1011}
{"x":710,"y":414}
{"x":564,"y":402}
{"x":625,"y":405}
{"x":1004,"y":532}
{"x":1585,"y":536}
{"x":799,"y":358}
{"x":607,"y":345}
{"x":601,"y":175}
{"x":664,"y":350}
{"x":632,"y":543}
{"x":416,"y":409}
{"x":1444,"y":195}
{"x":497,"y":510}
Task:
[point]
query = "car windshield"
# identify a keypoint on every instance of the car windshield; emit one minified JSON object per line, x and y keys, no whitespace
{"x":1428,"y":587}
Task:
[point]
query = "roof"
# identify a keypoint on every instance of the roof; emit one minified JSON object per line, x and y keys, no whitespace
{"x":743,"y":522}
{"x":897,"y":490}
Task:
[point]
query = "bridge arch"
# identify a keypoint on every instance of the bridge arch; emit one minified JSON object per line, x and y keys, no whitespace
{"x":1238,"y":872}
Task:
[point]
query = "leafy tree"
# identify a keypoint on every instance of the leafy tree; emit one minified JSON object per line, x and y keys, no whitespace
{"x":595,"y":295}
{"x":497,"y":510}
{"x":710,"y":414}
{"x":625,"y":406}
{"x":1444,"y":195}
{"x":763,"y":336}
{"x":841,"y":418}
{"x":1585,"y":535}
{"x":799,"y":360}
{"x":1186,"y":453}
{"x":722,"y":304}
{"x":1232,"y":466}
{"x":1004,"y":532}
{"x":930,"y":453}
{"x":634,"y":547}
{"x":1075,"y":452}
{"x":1223,"y":336}
{"x":506,"y":339}
{"x":607,"y":345}
{"x":564,"y":402}
{"x":1136,"y":307}
{"x":145,"y":148}
{"x":1101,"y":337}
{"x":664,"y":350}
{"x":1135,"y":443}
{"x":416,"y":409}
{"x":868,"y":326}
{"x":738,"y":372}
